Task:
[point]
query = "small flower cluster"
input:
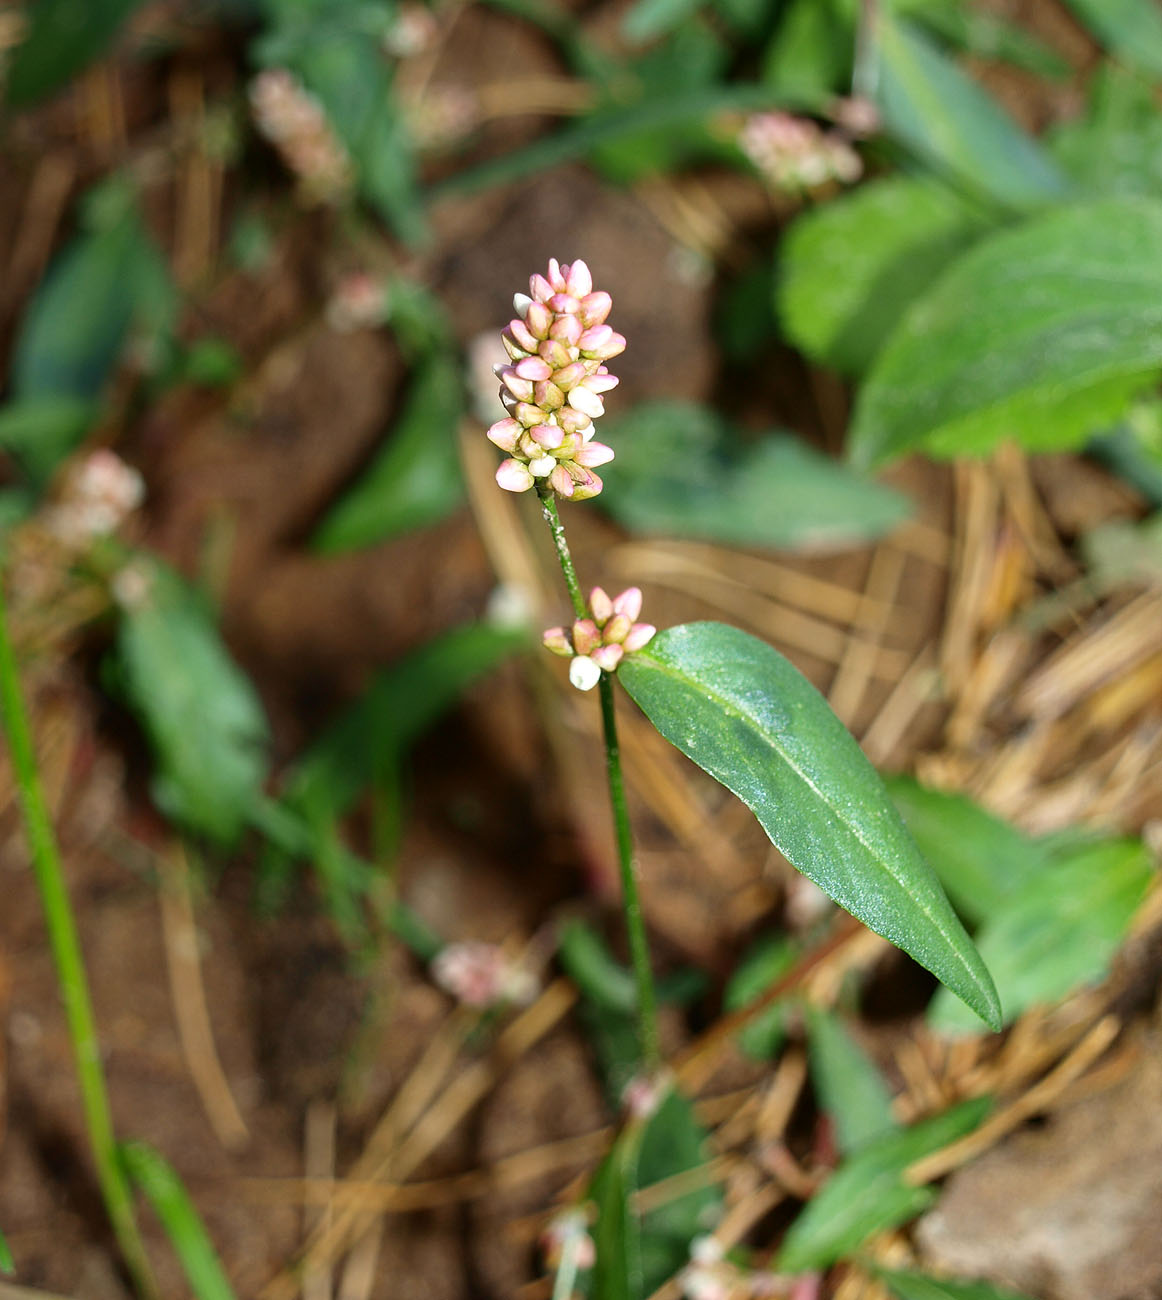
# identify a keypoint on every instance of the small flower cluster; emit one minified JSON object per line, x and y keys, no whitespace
{"x":292,"y":119}
{"x":711,"y":1276}
{"x":795,"y":153}
{"x":558,"y":345}
{"x":481,"y":975}
{"x":569,"y":1229}
{"x":97,"y":497}
{"x":599,"y":643}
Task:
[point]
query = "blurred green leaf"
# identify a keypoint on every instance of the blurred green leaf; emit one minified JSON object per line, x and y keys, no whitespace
{"x":1130,"y":29}
{"x":745,"y":714}
{"x":767,"y":960}
{"x":1059,"y":930}
{"x":63,"y":37}
{"x":1120,"y":552}
{"x":415,"y":479}
{"x":980,"y":859}
{"x":617,"y":1271}
{"x":1133,"y":456}
{"x":808,"y":60}
{"x":41,"y":431}
{"x":369,"y":739}
{"x":649,"y":19}
{"x":1116,"y":146}
{"x":680,"y":470}
{"x":204,"y":721}
{"x":183,"y":1225}
{"x":16,"y":504}
{"x":212,"y":363}
{"x":986,"y":36}
{"x":591,"y":966}
{"x":1042,"y":333}
{"x":919,"y":1286}
{"x":674,"y":1143}
{"x":868,"y":1193}
{"x":7,"y":1264}
{"x":939,"y":113}
{"x":849,"y":1086}
{"x":75,"y":328}
{"x":850,"y":268}
{"x":744,"y":317}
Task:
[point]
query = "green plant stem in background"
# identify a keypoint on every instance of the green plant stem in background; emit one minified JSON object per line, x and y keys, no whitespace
{"x":647,"y":1008}
{"x":74,"y":988}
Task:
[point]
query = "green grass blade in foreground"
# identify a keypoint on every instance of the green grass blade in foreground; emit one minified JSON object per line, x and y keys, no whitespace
{"x":1044,"y":332}
{"x":181,"y":1221}
{"x":847,"y":1082}
{"x":1129,"y":29}
{"x":918,"y":1286}
{"x":746,"y":715}
{"x":6,"y":1262}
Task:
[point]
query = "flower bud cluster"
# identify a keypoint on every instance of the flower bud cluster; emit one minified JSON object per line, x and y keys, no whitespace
{"x":358,"y":302}
{"x":482,"y":975}
{"x":568,"y":1229}
{"x":795,"y":153}
{"x":598,"y":643}
{"x":97,"y":497}
{"x":552,"y":388}
{"x":292,"y":119}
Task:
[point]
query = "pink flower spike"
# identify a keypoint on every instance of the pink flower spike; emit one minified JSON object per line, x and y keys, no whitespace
{"x":504,"y":433}
{"x":533,"y":368}
{"x":640,"y":635}
{"x":557,"y":640}
{"x":600,"y":606}
{"x":514,"y":476}
{"x":562,"y":482}
{"x":629,"y":603}
{"x":586,"y":636}
{"x":548,"y":436}
{"x":593,"y":454}
{"x":607,"y":657}
{"x":595,"y":307}
{"x":579,"y":280}
{"x":540,"y":288}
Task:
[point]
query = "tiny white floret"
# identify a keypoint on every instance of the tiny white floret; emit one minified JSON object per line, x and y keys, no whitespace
{"x":584,"y":673}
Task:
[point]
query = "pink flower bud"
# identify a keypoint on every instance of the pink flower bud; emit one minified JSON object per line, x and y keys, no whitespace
{"x":542,"y":466}
{"x":512,"y":347}
{"x":526,"y":446}
{"x":538,"y":320}
{"x":564,"y":303}
{"x":594,"y":337}
{"x":586,"y":636}
{"x":521,"y":303}
{"x":562,"y":481}
{"x":522,"y":335}
{"x":593,"y":454}
{"x":540,"y":288}
{"x":547,"y":395}
{"x":567,"y":330}
{"x":613,"y":348}
{"x":504,"y":433}
{"x":557,"y":640}
{"x":600,"y":606}
{"x":595,"y":307}
{"x":547,"y":436}
{"x":572,"y":420}
{"x":581,"y":399}
{"x":514,"y":476}
{"x":554,"y":353}
{"x":608,"y":657}
{"x":616,"y":630}
{"x":521,"y":389}
{"x":569,"y":376}
{"x":585,"y":488}
{"x":533,"y":368}
{"x":578,"y":280}
{"x":584,"y":673}
{"x":601,"y":383}
{"x":557,"y":274}
{"x":640,"y":635}
{"x":528,"y":414}
{"x":629,"y":602}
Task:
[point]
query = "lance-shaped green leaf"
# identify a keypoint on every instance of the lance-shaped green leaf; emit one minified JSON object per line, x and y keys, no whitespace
{"x":849,"y":1086}
{"x":869,"y":1193}
{"x":7,"y":1265}
{"x":918,"y":1286}
{"x":1130,"y":29}
{"x":63,"y":36}
{"x":746,"y":715}
{"x":1042,"y":333}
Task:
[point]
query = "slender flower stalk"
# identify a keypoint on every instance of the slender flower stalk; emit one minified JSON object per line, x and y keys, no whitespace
{"x":552,"y":391}
{"x":70,"y":967}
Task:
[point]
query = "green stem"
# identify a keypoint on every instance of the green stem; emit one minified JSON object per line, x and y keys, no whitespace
{"x":647,"y":1006}
{"x":639,"y":948}
{"x":74,"y":988}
